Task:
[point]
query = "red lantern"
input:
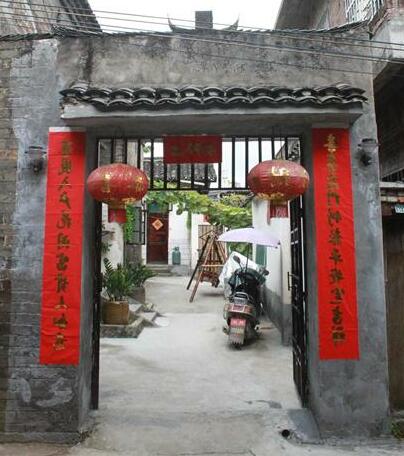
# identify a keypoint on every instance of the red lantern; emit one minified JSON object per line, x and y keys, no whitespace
{"x":278,"y":180}
{"x":117,"y":185}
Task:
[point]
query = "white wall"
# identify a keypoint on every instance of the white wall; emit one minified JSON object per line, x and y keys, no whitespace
{"x":278,"y":265}
{"x":179,"y":236}
{"x":114,"y":238}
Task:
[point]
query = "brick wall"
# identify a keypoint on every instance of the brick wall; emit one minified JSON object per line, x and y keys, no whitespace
{"x":34,"y":399}
{"x":8,"y":175}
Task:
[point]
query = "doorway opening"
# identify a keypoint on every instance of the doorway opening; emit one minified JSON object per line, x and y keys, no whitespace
{"x":154,"y":244}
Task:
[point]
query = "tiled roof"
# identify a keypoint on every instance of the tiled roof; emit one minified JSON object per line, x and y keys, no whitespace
{"x":109,"y":99}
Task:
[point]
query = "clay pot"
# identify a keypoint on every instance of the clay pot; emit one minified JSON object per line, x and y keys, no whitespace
{"x":115,"y":312}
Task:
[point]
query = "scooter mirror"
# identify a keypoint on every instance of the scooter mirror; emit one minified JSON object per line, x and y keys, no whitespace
{"x":265,"y":272}
{"x":237,"y":259}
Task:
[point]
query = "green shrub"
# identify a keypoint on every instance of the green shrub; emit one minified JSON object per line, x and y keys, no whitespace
{"x":139,"y":274}
{"x":117,"y":282}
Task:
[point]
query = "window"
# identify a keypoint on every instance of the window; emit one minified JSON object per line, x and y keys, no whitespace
{"x":372,"y":7}
{"x":360,"y":10}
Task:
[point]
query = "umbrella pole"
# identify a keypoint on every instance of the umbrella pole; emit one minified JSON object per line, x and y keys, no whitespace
{"x":248,"y":255}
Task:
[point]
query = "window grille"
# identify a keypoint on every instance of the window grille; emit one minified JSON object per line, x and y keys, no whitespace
{"x":137,"y":237}
{"x":239,"y":156}
{"x":397,"y":176}
{"x":372,"y":7}
{"x":359,"y":10}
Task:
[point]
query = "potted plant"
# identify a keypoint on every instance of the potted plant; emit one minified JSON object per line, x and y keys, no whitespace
{"x":139,"y":274}
{"x":118,"y":284}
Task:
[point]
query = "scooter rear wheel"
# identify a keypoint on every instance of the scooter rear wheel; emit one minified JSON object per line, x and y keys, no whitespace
{"x":237,"y":331}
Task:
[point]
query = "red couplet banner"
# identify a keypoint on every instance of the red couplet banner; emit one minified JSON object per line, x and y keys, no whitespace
{"x":335,"y":238}
{"x":61,"y":286}
{"x":192,"y":149}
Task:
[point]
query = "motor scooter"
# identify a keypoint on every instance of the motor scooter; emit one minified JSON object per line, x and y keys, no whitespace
{"x":244,"y":307}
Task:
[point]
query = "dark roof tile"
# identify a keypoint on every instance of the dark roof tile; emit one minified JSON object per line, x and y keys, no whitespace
{"x":207,"y":97}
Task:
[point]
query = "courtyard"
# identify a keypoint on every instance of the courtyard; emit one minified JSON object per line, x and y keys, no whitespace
{"x":179,"y":389}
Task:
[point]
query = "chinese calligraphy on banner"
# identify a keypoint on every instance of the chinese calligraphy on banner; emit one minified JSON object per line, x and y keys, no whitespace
{"x":335,"y":238}
{"x":61,"y":286}
{"x":192,"y":149}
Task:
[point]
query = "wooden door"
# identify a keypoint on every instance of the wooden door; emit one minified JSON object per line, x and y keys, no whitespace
{"x":394,"y":270}
{"x":157,"y":238}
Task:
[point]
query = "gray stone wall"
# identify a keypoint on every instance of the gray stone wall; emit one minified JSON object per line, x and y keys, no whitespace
{"x":349,"y":412}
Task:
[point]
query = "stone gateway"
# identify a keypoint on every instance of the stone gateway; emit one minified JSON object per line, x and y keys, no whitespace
{"x":147,"y":85}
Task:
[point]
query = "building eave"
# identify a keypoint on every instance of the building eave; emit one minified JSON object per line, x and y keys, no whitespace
{"x":289,"y":19}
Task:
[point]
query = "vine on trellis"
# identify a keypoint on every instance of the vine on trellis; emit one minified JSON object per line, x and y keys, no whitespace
{"x":232,"y":211}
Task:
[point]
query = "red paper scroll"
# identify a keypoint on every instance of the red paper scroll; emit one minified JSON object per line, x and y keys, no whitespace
{"x":61,"y":286}
{"x":192,"y":149}
{"x":335,"y":237}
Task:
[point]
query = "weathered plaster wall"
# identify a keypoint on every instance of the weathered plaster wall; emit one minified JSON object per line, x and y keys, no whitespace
{"x":172,"y":61}
{"x":54,"y":400}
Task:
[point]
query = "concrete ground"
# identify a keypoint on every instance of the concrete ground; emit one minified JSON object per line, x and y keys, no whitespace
{"x":181,"y":390}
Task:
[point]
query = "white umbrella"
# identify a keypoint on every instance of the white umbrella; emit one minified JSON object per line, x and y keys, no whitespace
{"x":250,"y":235}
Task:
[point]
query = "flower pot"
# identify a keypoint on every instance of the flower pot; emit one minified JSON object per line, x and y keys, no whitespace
{"x":139,"y":293}
{"x":115,"y":312}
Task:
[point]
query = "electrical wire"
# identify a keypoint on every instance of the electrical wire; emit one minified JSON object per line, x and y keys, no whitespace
{"x":243,"y":59}
{"x":288,"y":33}
{"x":269,"y":62}
{"x":283,"y":48}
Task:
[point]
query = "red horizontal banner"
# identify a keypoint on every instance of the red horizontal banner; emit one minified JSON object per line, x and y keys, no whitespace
{"x":192,"y":149}
{"x":335,"y":238}
{"x":61,"y":283}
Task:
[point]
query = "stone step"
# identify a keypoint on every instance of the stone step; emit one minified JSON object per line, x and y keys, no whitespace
{"x":135,"y":307}
{"x":160,"y":269}
{"x":123,"y":331}
{"x":149,"y":318}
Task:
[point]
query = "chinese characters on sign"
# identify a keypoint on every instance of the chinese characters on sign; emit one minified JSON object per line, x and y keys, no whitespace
{"x":337,"y":306}
{"x":61,"y":290}
{"x":192,"y":149}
